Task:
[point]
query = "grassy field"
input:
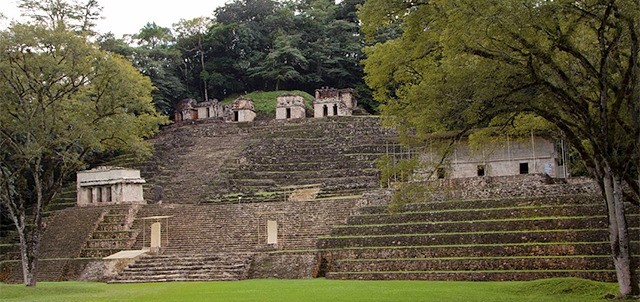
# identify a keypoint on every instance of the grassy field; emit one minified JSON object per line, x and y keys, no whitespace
{"x":568,"y":289}
{"x":265,"y":102}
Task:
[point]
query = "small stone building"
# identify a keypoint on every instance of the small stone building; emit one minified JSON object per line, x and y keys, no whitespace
{"x":334,"y":102}
{"x":185,"y":111}
{"x":243,"y":110}
{"x":212,"y":109}
{"x":290,"y":106}
{"x":535,"y":155}
{"x":109,"y":185}
{"x":189,"y":109}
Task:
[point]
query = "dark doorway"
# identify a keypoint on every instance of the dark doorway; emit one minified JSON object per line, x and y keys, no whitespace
{"x":236,"y":116}
{"x":335,"y":109}
{"x":288,"y":113}
{"x":524,"y":168}
{"x":325,"y":110}
{"x":481,"y":170}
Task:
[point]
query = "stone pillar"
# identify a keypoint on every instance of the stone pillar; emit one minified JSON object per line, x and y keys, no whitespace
{"x":272,"y":232}
{"x":155,"y":237}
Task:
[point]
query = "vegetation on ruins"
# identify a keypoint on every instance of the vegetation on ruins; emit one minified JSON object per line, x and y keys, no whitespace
{"x":562,"y":289}
{"x":264,"y":100}
{"x":458,"y":65}
{"x":63,"y":102}
{"x":250,"y":45}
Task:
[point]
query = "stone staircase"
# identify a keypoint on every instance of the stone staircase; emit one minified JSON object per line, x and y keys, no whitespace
{"x":337,"y":153}
{"x":65,"y":199}
{"x":199,"y":267}
{"x":113,"y":233}
{"x":517,"y":238}
{"x":258,"y":162}
{"x":188,"y":161}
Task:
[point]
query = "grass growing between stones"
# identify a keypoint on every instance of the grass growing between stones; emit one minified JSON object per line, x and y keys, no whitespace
{"x":562,"y":289}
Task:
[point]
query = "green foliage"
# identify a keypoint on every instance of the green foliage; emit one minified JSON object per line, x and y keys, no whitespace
{"x":265,"y":102}
{"x":252,"y":45}
{"x":63,"y":100}
{"x":77,"y":16}
{"x":395,"y":170}
{"x":519,"y":66}
{"x":568,"y":290}
{"x":284,"y":63}
{"x":407,"y":193}
{"x":570,"y":67}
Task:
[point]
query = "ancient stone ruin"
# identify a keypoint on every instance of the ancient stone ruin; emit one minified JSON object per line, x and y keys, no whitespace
{"x":189,"y":109}
{"x":302,"y":199}
{"x":290,"y":106}
{"x":241,"y":110}
{"x":109,"y":186}
{"x":334,"y":102}
{"x":506,"y":157}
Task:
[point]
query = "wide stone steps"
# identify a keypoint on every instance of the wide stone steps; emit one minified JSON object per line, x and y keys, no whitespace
{"x":537,"y":223}
{"x":315,"y":165}
{"x":112,"y":234}
{"x":496,"y":263}
{"x":515,"y":238}
{"x":526,"y":249}
{"x":522,"y":212}
{"x":544,"y":236}
{"x":312,"y":174}
{"x":318,"y":149}
{"x":246,"y":185}
{"x":205,"y":162}
{"x":482,"y":275}
{"x":461,"y":205}
{"x":164,"y":268}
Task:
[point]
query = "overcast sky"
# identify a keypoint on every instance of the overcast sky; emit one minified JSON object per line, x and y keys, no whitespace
{"x":128,"y":16}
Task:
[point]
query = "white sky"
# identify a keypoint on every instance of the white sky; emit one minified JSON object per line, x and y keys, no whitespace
{"x":129,"y":16}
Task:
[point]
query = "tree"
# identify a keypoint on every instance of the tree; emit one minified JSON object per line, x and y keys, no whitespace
{"x":153,"y":35}
{"x":194,"y":30}
{"x":79,"y":16}
{"x":284,"y":63}
{"x":63,"y":100}
{"x":465,"y":64}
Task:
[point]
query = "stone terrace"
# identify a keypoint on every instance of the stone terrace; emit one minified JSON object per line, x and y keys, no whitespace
{"x":189,"y":158}
{"x":261,"y":161}
{"x":201,"y":229}
{"x":506,"y":238}
{"x":62,"y":242}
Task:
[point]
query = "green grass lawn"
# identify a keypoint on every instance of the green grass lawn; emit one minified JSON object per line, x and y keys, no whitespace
{"x":565,"y":289}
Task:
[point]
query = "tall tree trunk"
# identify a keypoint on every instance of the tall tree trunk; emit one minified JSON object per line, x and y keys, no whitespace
{"x":28,"y":253}
{"x":619,"y":234}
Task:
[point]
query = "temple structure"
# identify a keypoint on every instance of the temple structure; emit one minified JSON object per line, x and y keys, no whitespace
{"x":507,"y":157}
{"x":334,"y":102}
{"x":290,"y":106}
{"x":108,"y":186}
{"x":243,"y":110}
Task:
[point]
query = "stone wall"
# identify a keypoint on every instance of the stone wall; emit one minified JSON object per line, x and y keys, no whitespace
{"x":62,"y":241}
{"x":503,"y":158}
{"x":508,"y":186}
{"x":286,"y":265}
{"x":243,"y":227}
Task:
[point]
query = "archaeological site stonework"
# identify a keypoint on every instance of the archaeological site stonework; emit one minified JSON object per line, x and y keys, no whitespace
{"x":301,"y":198}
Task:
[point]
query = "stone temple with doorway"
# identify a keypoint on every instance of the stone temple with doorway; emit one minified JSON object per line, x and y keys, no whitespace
{"x":302,"y":198}
{"x":334,"y":102}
